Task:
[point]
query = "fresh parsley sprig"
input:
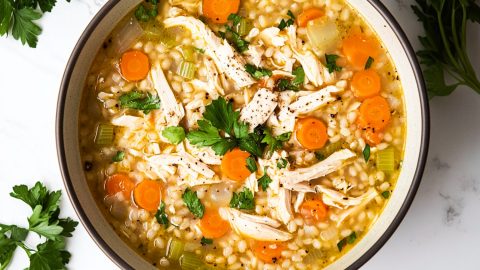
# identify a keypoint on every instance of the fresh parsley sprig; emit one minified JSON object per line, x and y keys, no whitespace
{"x":445,"y":44}
{"x":243,"y":200}
{"x":139,"y":101}
{"x":331,"y":60}
{"x":43,"y":221}
{"x":288,"y":84}
{"x":257,"y":72}
{"x":286,"y":23}
{"x":233,"y":36}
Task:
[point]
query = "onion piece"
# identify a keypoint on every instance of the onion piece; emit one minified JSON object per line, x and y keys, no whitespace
{"x":128,"y":33}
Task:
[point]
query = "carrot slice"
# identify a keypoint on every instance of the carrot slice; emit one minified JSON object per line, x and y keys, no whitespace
{"x":268,"y":252}
{"x":357,"y":47}
{"x":311,"y":133}
{"x":212,"y":225}
{"x":119,"y":182}
{"x":372,"y":137}
{"x":147,"y":195}
{"x":219,"y":10}
{"x":234,"y":165}
{"x":134,"y":65}
{"x":313,"y":210}
{"x":374,"y":114}
{"x":308,"y":15}
{"x":366,"y":84}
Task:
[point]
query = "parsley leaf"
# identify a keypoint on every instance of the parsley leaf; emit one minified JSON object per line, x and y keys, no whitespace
{"x":119,"y":156}
{"x":139,"y":101}
{"x":275,"y":143}
{"x":386,"y":194}
{"x":221,"y":114}
{"x":332,"y":62}
{"x":161,"y":216}
{"x":369,"y":62}
{"x":264,"y":181}
{"x":206,"y":241}
{"x":282,"y":163}
{"x":366,"y":152}
{"x":243,"y":200}
{"x":286,"y":23}
{"x":347,"y":240}
{"x":233,"y":36}
{"x":294,"y":85}
{"x":257,"y":72}
{"x":174,"y":135}
{"x":147,"y":10}
{"x":193,"y":203}
{"x":251,"y":164}
{"x":234,"y":18}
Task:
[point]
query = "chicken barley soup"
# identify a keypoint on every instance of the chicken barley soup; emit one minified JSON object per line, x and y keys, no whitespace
{"x":252,"y":134}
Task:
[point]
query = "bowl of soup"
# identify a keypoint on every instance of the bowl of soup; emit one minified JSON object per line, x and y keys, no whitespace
{"x":252,"y":134}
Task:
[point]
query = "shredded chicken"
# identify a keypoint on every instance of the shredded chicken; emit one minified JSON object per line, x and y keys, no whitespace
{"x":299,"y":201}
{"x":224,"y":56}
{"x":255,"y":227}
{"x":254,"y":54}
{"x":132,"y":122}
{"x":187,"y":161}
{"x":251,"y":183}
{"x":314,"y":101}
{"x":284,"y":205}
{"x":271,"y":36}
{"x":366,"y":198}
{"x":259,"y":109}
{"x":205,"y":154}
{"x":171,"y":111}
{"x":334,"y":162}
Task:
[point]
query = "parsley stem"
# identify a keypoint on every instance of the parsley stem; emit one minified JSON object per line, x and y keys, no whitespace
{"x":445,"y":41}
{"x":25,"y":248}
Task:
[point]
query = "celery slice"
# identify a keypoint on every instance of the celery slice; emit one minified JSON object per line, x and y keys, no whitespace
{"x":186,"y":70}
{"x":244,"y":27}
{"x":188,"y":53}
{"x":328,"y":150}
{"x":104,"y":135}
{"x":175,"y":249}
{"x":386,"y":160}
{"x":190,"y":261}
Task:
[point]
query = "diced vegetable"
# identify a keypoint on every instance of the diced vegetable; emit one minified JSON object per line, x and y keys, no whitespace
{"x":358,"y":47}
{"x":219,"y":10}
{"x":308,"y":15}
{"x":134,"y":65}
{"x":314,"y":256}
{"x":148,"y":194}
{"x":188,"y":53}
{"x":234,"y":165}
{"x":175,"y":249}
{"x":311,"y":133}
{"x":386,"y":160}
{"x":313,"y":211}
{"x":212,"y":225}
{"x":374,"y":114}
{"x":104,"y":135}
{"x":119,"y":182}
{"x":124,"y":38}
{"x":187,"y":70}
{"x":366,"y":84}
{"x":323,"y":33}
{"x":190,"y":261}
{"x":243,"y":27}
{"x":328,"y":150}
{"x":158,"y":33}
{"x":268,"y":252}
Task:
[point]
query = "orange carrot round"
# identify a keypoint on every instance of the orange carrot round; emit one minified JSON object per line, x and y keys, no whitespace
{"x":119,"y":182}
{"x":311,"y":133}
{"x":268,"y":252}
{"x":219,"y":10}
{"x":374,"y":114}
{"x":358,"y":47}
{"x":366,"y":84}
{"x":313,"y":210}
{"x":147,"y":195}
{"x":134,"y":65}
{"x":308,"y":15}
{"x":212,"y":225}
{"x":234,"y":165}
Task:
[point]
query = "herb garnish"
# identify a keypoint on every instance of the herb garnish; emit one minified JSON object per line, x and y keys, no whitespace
{"x":347,"y":240}
{"x":366,"y":152}
{"x":161,"y":216}
{"x":332,"y":62}
{"x":282,"y":163}
{"x":257,"y":72}
{"x":219,"y":117}
{"x":243,"y":200}
{"x":274,"y":143}
{"x":232,"y":36}
{"x":445,"y":44}
{"x":386,"y":194}
{"x":206,"y":241}
{"x":18,"y":18}
{"x":45,"y":222}
{"x":174,"y":135}
{"x":283,"y":24}
{"x":264,"y":181}
{"x":193,"y":203}
{"x":251,"y":164}
{"x":139,"y":101}
{"x":369,"y":62}
{"x":119,"y":156}
{"x":147,"y":10}
{"x":287,"y":84}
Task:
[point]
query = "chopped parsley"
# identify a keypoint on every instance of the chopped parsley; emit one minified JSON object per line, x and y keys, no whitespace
{"x":193,"y":203}
{"x":332,"y":62}
{"x":243,"y":200}
{"x":347,"y":240}
{"x":294,"y":85}
{"x":257,"y":72}
{"x":174,"y":135}
{"x":366,"y":152}
{"x":161,"y":216}
{"x":232,"y":36}
{"x":119,"y":156}
{"x":282,"y":163}
{"x":206,"y":241}
{"x":274,"y":143}
{"x":286,"y":23}
{"x":386,"y":194}
{"x":251,"y":164}
{"x":147,"y":10}
{"x":369,"y":62}
{"x":200,"y":50}
{"x":264,"y":181}
{"x":139,"y":101}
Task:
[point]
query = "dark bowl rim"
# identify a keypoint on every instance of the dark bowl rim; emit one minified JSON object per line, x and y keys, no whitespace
{"x":425,"y":116}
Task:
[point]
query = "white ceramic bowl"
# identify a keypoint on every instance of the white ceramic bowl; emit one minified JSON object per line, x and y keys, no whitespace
{"x":91,"y":216}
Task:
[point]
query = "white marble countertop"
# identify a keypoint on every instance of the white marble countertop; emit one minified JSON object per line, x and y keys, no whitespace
{"x":439,"y":232}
